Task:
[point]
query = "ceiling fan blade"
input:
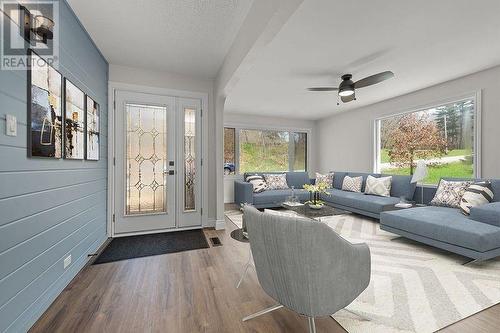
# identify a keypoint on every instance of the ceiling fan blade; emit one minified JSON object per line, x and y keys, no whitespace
{"x":323,"y":89}
{"x":373,"y":79}
{"x":347,"y":99}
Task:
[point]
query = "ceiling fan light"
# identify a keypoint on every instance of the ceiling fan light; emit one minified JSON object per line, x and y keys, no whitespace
{"x":346,"y":92}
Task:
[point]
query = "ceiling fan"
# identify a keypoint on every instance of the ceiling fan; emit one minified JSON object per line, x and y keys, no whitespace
{"x":347,"y":87}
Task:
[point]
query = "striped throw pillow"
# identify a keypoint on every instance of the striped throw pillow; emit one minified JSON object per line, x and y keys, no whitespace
{"x":475,"y":195}
{"x":258,"y":182}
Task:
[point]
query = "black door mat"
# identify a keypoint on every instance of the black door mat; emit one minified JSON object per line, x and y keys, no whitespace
{"x":151,"y":245}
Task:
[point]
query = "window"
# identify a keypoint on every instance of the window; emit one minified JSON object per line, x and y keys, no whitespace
{"x":443,"y":136}
{"x":256,"y":150}
{"x":229,"y":151}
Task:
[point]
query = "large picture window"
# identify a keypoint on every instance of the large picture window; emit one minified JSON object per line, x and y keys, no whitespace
{"x":444,"y":136}
{"x":258,"y":150}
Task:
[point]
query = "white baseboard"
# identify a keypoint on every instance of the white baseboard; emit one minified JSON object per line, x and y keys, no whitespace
{"x":220,"y":224}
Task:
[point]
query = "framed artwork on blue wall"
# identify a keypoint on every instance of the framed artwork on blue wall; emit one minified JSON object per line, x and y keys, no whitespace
{"x":44,"y":109}
{"x":74,"y":121}
{"x":92,"y":129}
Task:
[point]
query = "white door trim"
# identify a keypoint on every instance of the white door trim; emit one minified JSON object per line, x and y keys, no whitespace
{"x":112,"y":88}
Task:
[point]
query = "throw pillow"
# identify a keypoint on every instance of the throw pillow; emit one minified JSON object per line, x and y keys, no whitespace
{"x":276,"y":182}
{"x":378,"y":186}
{"x":449,"y":193}
{"x":476,"y":194}
{"x":259,"y":184}
{"x":352,"y":184}
{"x":327,"y":179}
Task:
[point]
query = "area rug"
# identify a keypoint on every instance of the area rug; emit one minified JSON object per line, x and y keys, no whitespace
{"x":413,"y":287}
{"x":150,"y":245}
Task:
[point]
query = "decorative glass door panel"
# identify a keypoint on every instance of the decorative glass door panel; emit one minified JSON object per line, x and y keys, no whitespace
{"x":189,"y":159}
{"x":146,"y":159}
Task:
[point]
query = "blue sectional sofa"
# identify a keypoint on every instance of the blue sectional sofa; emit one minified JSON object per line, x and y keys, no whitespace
{"x":369,"y":205}
{"x":364,"y":204}
{"x":476,"y":236}
{"x":243,"y":191}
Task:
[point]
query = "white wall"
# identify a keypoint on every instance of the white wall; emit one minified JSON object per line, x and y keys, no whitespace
{"x":251,"y":121}
{"x":166,"y":80}
{"x":346,"y":139}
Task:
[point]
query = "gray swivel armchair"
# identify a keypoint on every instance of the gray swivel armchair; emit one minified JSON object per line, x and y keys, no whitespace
{"x":304,"y":265}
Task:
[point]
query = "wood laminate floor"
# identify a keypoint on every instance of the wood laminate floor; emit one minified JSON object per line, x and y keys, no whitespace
{"x":190,"y":291}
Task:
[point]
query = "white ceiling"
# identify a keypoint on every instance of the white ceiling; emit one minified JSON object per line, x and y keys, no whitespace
{"x":189,"y":37}
{"x":423,"y":42}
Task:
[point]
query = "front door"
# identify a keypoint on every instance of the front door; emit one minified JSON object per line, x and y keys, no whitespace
{"x":157,"y":171}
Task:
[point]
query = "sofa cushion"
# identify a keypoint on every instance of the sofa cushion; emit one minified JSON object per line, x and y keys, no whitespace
{"x":271,"y":197}
{"x":489,"y":213}
{"x":297,"y":179}
{"x":369,"y":203}
{"x":444,"y":224}
{"x":338,"y":179}
{"x":402,"y":187}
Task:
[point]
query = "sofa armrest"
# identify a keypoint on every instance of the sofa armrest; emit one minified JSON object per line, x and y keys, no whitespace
{"x":489,"y":213}
{"x":243,"y":192}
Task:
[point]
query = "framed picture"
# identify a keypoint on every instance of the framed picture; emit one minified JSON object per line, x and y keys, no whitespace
{"x":44,"y":109}
{"x":74,"y":121}
{"x":92,"y":129}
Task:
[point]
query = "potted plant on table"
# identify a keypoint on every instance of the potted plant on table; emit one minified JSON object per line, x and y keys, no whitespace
{"x":314,"y":193}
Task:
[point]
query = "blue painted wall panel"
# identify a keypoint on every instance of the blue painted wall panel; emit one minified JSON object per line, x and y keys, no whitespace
{"x":48,"y":208}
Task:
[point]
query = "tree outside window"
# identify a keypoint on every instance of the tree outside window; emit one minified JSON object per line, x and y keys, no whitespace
{"x":442,"y":136}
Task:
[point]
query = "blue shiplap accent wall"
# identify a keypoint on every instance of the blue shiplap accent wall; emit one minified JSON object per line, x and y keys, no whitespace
{"x":48,"y":208}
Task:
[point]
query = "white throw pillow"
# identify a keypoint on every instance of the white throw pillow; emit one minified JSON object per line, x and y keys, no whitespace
{"x":327,"y":179}
{"x":276,"y":181}
{"x":378,"y":186}
{"x":352,"y":184}
{"x":259,"y":184}
{"x":449,"y":193}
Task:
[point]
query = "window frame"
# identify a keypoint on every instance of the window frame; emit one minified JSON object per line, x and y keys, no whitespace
{"x":238,"y":126}
{"x":475,"y":96}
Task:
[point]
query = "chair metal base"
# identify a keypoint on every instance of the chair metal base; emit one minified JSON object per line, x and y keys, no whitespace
{"x":312,"y":325}
{"x":362,"y":317}
{"x":245,"y":270}
{"x":262,"y":312}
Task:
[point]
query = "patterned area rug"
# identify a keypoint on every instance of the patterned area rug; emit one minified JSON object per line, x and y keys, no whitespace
{"x":414,"y":287}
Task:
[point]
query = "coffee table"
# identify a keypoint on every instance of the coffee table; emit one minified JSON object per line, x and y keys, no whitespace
{"x":315,"y":214}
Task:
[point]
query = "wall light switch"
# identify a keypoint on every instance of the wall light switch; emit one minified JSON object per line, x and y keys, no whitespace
{"x":10,"y":125}
{"x":67,"y":261}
